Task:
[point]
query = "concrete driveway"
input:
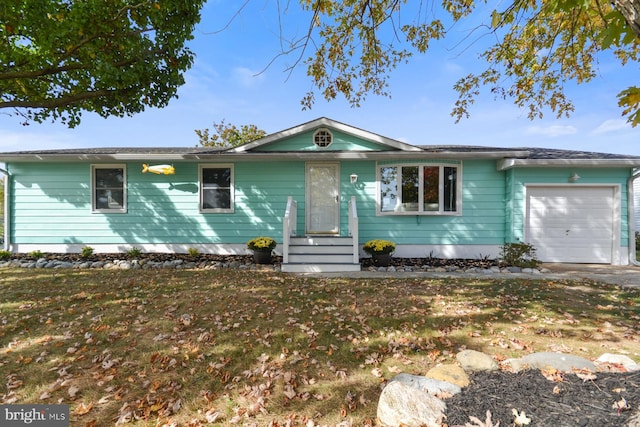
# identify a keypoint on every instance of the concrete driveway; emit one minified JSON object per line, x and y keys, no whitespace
{"x":624,"y":275}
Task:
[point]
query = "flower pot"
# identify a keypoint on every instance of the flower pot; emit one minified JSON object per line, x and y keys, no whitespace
{"x":382,"y":260}
{"x":262,"y":257}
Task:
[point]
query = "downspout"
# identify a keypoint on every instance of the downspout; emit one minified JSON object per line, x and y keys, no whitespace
{"x":631,"y":215}
{"x":7,"y":213}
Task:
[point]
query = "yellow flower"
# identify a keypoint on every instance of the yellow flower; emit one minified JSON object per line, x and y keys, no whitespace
{"x":261,"y":244}
{"x":379,"y":246}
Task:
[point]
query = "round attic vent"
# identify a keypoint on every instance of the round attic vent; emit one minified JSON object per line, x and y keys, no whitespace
{"x":322,"y":138}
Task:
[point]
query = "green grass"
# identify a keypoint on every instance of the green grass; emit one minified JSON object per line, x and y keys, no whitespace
{"x":186,"y":347}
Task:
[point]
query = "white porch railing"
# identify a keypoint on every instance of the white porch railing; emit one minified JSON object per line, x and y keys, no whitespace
{"x":353,"y":228}
{"x":289,"y":224}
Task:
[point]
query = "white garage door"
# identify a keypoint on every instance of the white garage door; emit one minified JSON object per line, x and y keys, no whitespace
{"x":571,"y":224}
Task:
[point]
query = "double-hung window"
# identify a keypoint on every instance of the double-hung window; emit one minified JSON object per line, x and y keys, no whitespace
{"x":216,"y":188}
{"x":109,"y":188}
{"x":419,"y":189}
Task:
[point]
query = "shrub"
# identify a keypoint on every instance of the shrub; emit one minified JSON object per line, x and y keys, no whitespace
{"x":521,"y":255}
{"x":379,"y":247}
{"x":36,"y":254}
{"x":261,"y":244}
{"x":194,"y":252}
{"x":86,"y":252}
{"x":134,"y":252}
{"x":5,"y":254}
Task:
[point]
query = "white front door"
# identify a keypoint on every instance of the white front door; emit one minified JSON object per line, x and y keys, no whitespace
{"x":323,"y":198}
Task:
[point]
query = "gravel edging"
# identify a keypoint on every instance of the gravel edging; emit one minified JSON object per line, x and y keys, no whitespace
{"x":245,"y":262}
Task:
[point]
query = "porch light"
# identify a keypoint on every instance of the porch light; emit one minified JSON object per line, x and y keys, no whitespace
{"x":574,"y":177}
{"x":354,"y":178}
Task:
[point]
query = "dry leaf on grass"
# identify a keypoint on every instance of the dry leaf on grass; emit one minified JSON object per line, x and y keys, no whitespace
{"x":83,"y":408}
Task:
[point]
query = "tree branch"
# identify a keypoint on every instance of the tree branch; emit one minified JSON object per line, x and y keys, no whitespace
{"x":63,"y":100}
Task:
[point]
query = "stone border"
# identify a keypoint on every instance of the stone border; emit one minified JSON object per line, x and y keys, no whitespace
{"x":413,"y":400}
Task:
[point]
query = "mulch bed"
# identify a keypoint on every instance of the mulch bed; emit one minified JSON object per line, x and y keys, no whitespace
{"x":575,"y":402}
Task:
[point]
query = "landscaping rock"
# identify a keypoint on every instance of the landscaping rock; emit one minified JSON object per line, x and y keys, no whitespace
{"x":545,"y":360}
{"x":432,"y":386}
{"x":471,"y":361}
{"x":616,"y":363}
{"x":403,"y":405}
{"x":453,"y":374}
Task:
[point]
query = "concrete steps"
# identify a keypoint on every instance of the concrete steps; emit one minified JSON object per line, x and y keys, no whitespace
{"x":320,"y":254}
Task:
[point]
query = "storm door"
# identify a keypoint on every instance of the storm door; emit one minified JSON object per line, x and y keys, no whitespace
{"x":323,"y":198}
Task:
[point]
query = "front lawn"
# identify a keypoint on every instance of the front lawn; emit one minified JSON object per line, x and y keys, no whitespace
{"x":176,"y":347}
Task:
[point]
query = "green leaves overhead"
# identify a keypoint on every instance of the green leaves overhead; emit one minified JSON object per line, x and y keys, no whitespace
{"x":539,"y":47}
{"x":360,"y":43}
{"x":544,"y":45}
{"x":112,"y":57}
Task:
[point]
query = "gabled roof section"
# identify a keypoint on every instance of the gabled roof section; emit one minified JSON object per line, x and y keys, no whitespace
{"x":324,"y":122}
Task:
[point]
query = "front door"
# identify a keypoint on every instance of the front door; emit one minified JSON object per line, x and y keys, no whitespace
{"x":323,"y":198}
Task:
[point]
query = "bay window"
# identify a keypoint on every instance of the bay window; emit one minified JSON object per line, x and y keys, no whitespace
{"x":418,"y":189}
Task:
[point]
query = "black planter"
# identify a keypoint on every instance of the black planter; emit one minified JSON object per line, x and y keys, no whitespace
{"x":262,"y":257}
{"x":382,"y":260}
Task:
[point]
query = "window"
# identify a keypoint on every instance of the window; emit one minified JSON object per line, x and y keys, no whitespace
{"x":109,"y":188}
{"x":418,"y":189}
{"x":216,"y":188}
{"x":322,"y":138}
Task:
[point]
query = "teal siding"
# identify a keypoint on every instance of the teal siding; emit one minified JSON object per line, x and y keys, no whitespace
{"x":609,"y":176}
{"x":51,"y":204}
{"x":483,"y":211}
{"x":341,"y":142}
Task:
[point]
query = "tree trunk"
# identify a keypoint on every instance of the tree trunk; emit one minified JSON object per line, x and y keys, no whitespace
{"x":630,"y":9}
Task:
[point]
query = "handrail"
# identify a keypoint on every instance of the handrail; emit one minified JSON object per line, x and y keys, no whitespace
{"x":353,"y":228}
{"x":289,"y":223}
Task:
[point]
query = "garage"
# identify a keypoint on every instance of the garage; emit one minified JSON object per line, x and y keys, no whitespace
{"x":573,"y":224}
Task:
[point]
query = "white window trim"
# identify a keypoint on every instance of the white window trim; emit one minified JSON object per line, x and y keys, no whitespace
{"x":327,"y":131}
{"x":121,"y":210}
{"x":420,"y":165}
{"x":231,"y":187}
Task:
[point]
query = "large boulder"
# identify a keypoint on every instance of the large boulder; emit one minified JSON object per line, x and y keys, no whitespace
{"x":432,"y":386}
{"x":403,"y":405}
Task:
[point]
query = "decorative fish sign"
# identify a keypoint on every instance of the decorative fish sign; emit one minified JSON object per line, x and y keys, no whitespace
{"x":159,"y":169}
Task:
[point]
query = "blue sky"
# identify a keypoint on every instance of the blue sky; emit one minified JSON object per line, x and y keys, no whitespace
{"x":226,"y":82}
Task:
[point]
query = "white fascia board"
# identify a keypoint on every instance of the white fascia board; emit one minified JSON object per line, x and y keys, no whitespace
{"x":87,"y":157}
{"x":323,"y":121}
{"x":350,"y":155}
{"x":506,"y":164}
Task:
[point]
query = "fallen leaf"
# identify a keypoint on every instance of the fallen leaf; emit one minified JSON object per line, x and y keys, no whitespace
{"x":552,"y":374}
{"x":83,"y":409}
{"x":73,"y":391}
{"x":586,"y":376}
{"x":521,"y":418}
{"x":621,"y":405}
